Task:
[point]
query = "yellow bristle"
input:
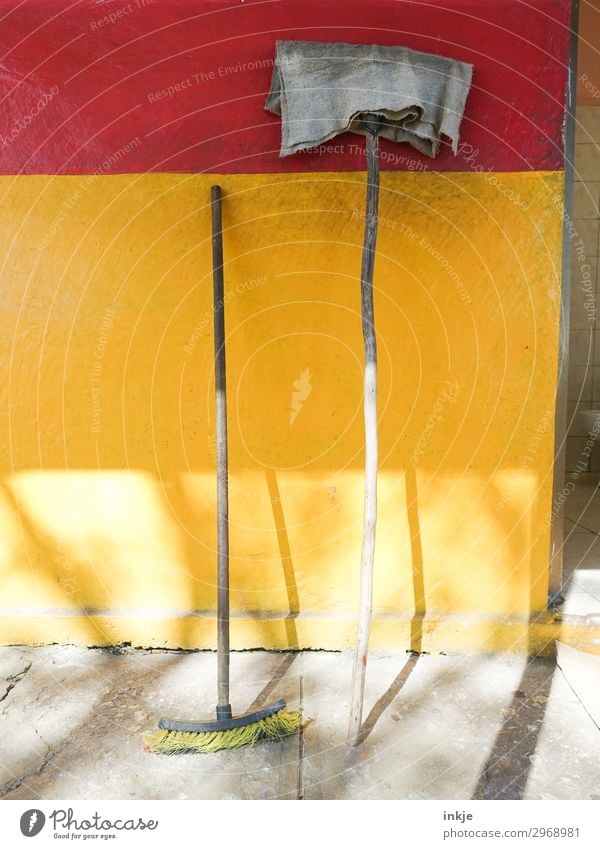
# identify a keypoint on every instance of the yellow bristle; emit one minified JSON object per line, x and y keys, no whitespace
{"x":274,"y":727}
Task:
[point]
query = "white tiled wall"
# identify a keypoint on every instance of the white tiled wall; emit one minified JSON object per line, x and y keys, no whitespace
{"x":584,"y":338}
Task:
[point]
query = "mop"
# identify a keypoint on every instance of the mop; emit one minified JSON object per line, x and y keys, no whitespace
{"x":268,"y":723}
{"x":320,"y":90}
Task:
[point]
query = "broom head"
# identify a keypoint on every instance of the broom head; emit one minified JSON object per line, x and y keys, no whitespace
{"x":270,"y":723}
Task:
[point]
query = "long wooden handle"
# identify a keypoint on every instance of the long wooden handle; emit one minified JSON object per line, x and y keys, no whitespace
{"x":371,"y":442}
{"x":223,"y":706}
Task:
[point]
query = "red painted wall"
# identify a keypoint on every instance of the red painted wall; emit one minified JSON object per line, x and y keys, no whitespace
{"x":164,"y":85}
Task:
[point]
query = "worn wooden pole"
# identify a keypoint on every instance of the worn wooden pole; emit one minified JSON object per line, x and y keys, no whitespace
{"x":223,"y":706}
{"x":371,"y":441}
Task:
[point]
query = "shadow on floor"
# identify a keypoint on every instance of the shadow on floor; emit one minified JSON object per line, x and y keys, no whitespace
{"x":264,"y":697}
{"x":506,"y":770}
{"x":386,"y":699}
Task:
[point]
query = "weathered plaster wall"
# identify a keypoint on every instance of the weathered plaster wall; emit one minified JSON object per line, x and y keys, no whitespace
{"x":107,"y":496}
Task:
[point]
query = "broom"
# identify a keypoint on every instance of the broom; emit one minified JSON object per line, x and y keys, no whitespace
{"x":269,"y":723}
{"x":320,"y":90}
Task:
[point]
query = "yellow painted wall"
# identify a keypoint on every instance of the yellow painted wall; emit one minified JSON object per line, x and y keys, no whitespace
{"x":107,"y":473}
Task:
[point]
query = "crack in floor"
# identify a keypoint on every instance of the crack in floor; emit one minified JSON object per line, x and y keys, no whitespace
{"x":48,"y":758}
{"x":300,"y":787}
{"x":13,"y":680}
{"x":91,"y":731}
{"x":18,"y":782}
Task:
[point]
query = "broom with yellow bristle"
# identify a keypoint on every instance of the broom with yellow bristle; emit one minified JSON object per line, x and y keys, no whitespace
{"x":270,"y":723}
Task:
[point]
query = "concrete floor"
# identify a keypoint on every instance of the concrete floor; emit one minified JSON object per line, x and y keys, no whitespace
{"x":435,"y":727}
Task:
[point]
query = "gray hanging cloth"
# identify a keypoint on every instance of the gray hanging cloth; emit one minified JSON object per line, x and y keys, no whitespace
{"x":319,"y":89}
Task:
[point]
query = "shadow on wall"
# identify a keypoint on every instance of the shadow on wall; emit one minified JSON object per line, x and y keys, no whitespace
{"x":108,"y":473}
{"x":115,"y":541}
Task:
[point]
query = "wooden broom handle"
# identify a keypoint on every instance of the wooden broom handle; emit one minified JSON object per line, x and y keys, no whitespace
{"x":371,"y":441}
{"x":223,"y":706}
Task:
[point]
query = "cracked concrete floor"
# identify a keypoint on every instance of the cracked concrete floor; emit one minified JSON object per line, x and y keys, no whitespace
{"x":436,"y":727}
